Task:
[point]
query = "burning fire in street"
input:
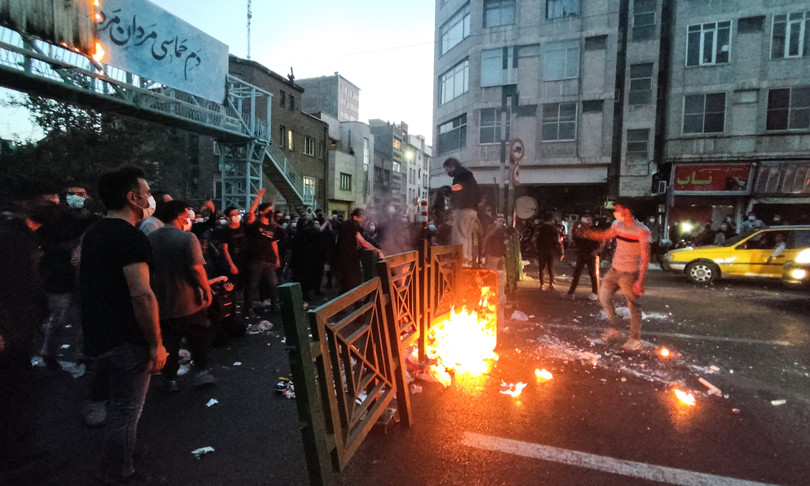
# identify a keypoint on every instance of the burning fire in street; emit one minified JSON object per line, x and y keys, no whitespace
{"x":464,"y":343}
{"x":684,"y":397}
{"x":543,"y":375}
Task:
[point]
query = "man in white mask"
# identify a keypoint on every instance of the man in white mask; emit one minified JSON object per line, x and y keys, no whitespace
{"x":120,"y":313}
{"x":152,"y":221}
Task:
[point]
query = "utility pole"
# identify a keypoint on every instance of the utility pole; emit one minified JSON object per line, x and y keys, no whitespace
{"x":249,"y":16}
{"x":509,"y":104}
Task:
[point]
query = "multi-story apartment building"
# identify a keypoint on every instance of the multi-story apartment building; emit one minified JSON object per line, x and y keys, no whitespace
{"x":737,"y":136}
{"x":349,"y":183}
{"x":389,"y":142}
{"x":627,"y":98}
{"x":333,"y":95}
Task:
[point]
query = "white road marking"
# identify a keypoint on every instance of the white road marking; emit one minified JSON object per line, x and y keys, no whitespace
{"x":602,"y":463}
{"x":682,"y":336}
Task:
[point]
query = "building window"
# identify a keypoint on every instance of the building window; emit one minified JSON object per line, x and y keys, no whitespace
{"x":556,"y":9}
{"x":640,"y":84}
{"x":499,"y":13}
{"x":309,"y":146}
{"x":496,"y":65}
{"x":704,"y":113}
{"x":788,"y":109}
{"x":345,"y":182}
{"x":453,"y":134}
{"x":490,"y":125}
{"x":790,"y":35}
{"x":454,"y":82}
{"x":290,"y":140}
{"x":292,"y":102}
{"x":282,"y":98}
{"x":456,"y":29}
{"x":395,"y":166}
{"x":643,"y":20}
{"x":397,"y":144}
{"x":592,"y":106}
{"x":282,"y":136}
{"x":559,"y":121}
{"x":748,"y":25}
{"x":637,"y":141}
{"x":561,"y":60}
{"x":596,"y":42}
{"x":708,"y":44}
{"x":309,"y":190}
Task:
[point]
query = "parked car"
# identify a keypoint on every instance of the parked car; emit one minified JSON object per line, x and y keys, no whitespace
{"x":755,"y":255}
{"x":797,"y":272}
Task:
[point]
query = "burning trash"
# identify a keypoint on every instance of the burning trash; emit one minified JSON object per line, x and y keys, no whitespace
{"x":543,"y":375}
{"x":463,"y":343}
{"x":686,"y":398}
{"x":512,"y":389}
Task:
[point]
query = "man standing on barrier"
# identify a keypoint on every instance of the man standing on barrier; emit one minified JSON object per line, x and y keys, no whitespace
{"x":464,"y":201}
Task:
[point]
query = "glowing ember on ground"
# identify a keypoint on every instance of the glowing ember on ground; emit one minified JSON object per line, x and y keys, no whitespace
{"x":664,"y":352}
{"x":513,"y":389}
{"x":464,"y":343}
{"x":543,"y":375}
{"x":684,"y":397}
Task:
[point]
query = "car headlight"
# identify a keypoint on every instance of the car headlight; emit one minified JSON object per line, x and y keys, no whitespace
{"x":798,"y":274}
{"x":803,"y":256}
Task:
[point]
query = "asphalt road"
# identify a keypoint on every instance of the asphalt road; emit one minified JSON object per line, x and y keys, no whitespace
{"x":606,"y":417}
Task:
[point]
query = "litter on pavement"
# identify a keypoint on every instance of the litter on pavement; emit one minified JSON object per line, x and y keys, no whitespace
{"x":202,"y":451}
{"x":212,"y":402}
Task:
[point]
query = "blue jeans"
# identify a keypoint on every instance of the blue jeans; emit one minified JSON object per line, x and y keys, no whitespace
{"x":124,"y":365}
{"x":613,"y":281}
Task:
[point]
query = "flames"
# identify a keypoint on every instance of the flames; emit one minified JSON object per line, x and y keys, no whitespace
{"x":465,"y":342}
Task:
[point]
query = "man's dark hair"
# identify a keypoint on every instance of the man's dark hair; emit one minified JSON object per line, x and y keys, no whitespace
{"x":627,"y":203}
{"x":263,"y":206}
{"x":228,"y":210}
{"x":358,"y":212}
{"x":114,"y":186}
{"x":169,"y":211}
{"x":452,"y":162}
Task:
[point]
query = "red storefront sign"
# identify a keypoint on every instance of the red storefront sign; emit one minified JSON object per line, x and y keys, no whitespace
{"x":708,"y":179}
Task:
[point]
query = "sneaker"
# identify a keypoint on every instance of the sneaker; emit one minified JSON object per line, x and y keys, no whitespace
{"x":204,"y":378}
{"x":570,"y":296}
{"x":593,"y":297}
{"x":610,"y":334}
{"x":95,"y":414}
{"x":632,"y":344}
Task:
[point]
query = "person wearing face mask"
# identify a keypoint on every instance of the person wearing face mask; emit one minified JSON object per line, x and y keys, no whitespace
{"x":628,"y":271}
{"x":183,"y":293}
{"x":751,"y":225}
{"x":120,"y":313}
{"x":587,"y":251}
{"x":151,"y":221}
{"x":264,"y":261}
{"x":464,"y":199}
{"x":235,"y":247}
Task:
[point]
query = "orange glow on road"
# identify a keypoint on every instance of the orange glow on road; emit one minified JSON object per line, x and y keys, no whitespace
{"x":543,"y":375}
{"x":664,"y":352}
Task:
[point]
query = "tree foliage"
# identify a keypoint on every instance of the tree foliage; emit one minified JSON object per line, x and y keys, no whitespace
{"x":81,"y":143}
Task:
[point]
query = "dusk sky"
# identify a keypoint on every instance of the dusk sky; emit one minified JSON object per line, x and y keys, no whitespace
{"x":385,"y":48}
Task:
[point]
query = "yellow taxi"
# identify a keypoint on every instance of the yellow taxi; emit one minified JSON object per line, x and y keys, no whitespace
{"x":766,"y":253}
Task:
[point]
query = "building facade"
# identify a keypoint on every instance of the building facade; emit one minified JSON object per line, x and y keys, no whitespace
{"x":624,"y":98}
{"x":333,"y":95}
{"x":390,"y":140}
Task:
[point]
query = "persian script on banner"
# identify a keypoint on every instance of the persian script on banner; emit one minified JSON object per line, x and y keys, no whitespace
{"x":146,"y":40}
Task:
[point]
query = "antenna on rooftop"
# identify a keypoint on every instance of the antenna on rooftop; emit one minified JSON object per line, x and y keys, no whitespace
{"x":249,"y":16}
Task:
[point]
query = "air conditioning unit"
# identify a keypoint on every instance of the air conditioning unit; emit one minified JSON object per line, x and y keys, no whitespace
{"x":660,"y":187}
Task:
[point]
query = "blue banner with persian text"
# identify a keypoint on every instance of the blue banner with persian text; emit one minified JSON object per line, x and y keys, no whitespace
{"x":142,"y":38}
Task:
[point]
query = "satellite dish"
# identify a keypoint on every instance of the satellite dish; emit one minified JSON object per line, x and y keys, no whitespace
{"x":525,"y":207}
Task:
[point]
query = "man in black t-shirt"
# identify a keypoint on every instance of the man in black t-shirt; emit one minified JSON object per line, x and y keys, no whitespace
{"x":120,"y":312}
{"x":349,"y":244}
{"x":264,"y":261}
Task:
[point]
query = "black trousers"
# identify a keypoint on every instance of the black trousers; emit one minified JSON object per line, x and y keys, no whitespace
{"x":591,"y":262}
